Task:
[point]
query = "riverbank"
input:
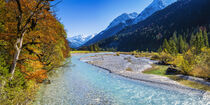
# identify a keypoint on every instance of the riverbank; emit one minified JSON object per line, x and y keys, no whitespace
{"x":131,"y":67}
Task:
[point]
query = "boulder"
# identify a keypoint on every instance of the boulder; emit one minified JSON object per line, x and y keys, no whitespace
{"x":172,"y":71}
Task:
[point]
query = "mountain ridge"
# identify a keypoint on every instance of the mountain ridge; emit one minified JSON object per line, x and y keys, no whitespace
{"x":77,"y":41}
{"x":181,"y":17}
{"x":119,"y":26}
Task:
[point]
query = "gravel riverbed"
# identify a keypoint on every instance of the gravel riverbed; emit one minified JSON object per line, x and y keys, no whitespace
{"x":131,"y":67}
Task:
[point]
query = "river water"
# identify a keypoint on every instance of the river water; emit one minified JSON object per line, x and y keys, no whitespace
{"x":80,"y":83}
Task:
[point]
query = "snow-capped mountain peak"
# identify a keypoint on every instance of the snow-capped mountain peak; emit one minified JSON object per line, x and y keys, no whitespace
{"x":122,"y":19}
{"x":156,"y":5}
{"x":167,"y":2}
{"x":77,"y":41}
{"x":125,"y":20}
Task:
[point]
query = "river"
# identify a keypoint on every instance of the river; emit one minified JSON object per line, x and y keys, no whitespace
{"x":80,"y":83}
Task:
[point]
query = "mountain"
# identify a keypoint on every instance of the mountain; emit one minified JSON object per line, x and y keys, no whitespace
{"x":115,"y":26}
{"x":156,"y":5}
{"x":77,"y":41}
{"x":183,"y":17}
{"x":126,"y":20}
{"x":122,"y":19}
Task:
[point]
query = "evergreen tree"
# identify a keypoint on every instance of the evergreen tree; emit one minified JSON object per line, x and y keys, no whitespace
{"x":91,"y":48}
{"x":192,"y":40}
{"x":95,"y":47}
{"x":197,"y":41}
{"x":206,"y":40}
{"x":166,"y":46}
{"x":181,"y":45}
{"x":175,"y":38}
{"x":186,"y":45}
{"x":173,"y":48}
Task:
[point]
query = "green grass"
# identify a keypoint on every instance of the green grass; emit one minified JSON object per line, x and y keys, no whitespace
{"x":157,"y":70}
{"x":161,"y":70}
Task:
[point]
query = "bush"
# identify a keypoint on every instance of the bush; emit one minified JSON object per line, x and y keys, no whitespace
{"x":155,"y":57}
{"x":117,"y":54}
{"x":185,"y":67}
{"x":202,"y":72}
{"x":129,"y":69}
{"x":165,"y":58}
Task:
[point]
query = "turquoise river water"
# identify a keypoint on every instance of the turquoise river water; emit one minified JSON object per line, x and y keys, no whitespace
{"x":80,"y":83}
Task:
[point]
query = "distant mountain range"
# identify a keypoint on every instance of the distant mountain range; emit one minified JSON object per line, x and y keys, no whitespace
{"x":126,"y":20}
{"x":183,"y":17}
{"x":77,"y":41}
{"x":115,"y":26}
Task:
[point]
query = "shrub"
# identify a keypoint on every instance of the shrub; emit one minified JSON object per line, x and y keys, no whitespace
{"x":202,"y":72}
{"x":155,"y":57}
{"x":117,"y":54}
{"x":177,"y":60}
{"x":185,"y":67}
{"x":165,"y":58}
{"x":129,"y":69}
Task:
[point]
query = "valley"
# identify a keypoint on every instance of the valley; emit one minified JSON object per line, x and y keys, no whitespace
{"x":104,"y":52}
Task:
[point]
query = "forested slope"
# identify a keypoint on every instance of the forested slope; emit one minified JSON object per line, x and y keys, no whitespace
{"x":183,"y":17}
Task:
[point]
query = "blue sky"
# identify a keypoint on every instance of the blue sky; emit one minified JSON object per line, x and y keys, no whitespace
{"x":86,"y":17}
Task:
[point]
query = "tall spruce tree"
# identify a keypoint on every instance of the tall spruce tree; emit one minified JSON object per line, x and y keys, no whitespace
{"x":197,"y":41}
{"x":173,"y":47}
{"x":175,"y":38}
{"x":206,"y":40}
{"x":192,"y":40}
{"x":181,"y":45}
{"x":166,"y":46}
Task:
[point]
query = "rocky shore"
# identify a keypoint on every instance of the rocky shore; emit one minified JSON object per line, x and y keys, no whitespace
{"x":131,"y":67}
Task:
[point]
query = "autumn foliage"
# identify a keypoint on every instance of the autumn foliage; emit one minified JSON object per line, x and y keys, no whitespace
{"x":44,"y":45}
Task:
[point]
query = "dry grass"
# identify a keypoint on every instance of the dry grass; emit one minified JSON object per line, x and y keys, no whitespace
{"x":191,"y":84}
{"x":129,"y":69}
{"x":73,"y":52}
{"x":161,"y":70}
{"x":202,"y":72}
{"x":139,"y":54}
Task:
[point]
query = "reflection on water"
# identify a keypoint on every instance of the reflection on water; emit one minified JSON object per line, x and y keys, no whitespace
{"x":79,"y":83}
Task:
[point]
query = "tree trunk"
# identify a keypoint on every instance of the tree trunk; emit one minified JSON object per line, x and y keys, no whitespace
{"x":18,"y":48}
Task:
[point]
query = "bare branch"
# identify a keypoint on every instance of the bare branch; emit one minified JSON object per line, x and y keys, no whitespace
{"x":56,"y":3}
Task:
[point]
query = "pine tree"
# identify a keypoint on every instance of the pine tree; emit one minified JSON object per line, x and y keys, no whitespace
{"x":91,"y":48}
{"x":166,"y":46}
{"x":197,"y":41}
{"x":175,"y":38}
{"x":181,"y":45}
{"x":173,"y":48}
{"x":186,"y":45}
{"x":95,"y":47}
{"x":192,"y":40}
{"x":206,"y":40}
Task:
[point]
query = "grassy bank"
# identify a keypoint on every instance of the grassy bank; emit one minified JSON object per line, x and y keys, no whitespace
{"x":161,"y":70}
